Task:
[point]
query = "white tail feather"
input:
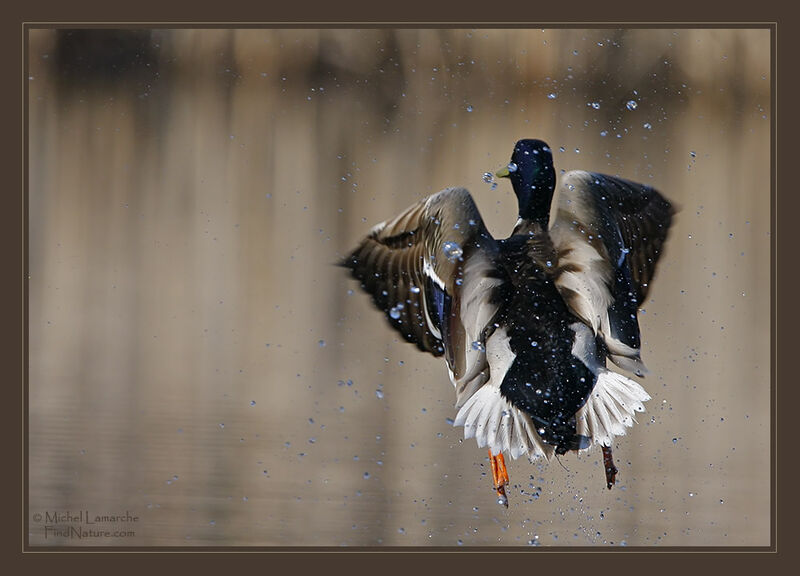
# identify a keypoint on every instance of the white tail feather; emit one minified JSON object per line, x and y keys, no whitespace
{"x":496,"y":424}
{"x":610,"y":407}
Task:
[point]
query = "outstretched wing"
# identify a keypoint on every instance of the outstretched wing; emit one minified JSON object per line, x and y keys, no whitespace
{"x":432,"y":271}
{"x":609,"y":234}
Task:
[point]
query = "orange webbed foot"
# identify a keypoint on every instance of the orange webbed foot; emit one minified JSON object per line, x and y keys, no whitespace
{"x":499,"y":477}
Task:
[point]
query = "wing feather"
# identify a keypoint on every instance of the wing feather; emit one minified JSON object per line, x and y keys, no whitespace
{"x":609,"y":234}
{"x":432,"y":271}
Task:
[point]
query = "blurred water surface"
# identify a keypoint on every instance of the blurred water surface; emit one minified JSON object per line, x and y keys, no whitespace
{"x":196,"y":360}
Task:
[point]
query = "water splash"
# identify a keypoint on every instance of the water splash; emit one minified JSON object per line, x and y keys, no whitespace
{"x":395,"y":311}
{"x":452,"y":250}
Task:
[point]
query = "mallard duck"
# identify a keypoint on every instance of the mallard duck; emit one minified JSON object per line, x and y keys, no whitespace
{"x":526,"y":324}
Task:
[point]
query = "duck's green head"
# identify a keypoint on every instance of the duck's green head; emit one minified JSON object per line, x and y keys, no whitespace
{"x":533,"y":177}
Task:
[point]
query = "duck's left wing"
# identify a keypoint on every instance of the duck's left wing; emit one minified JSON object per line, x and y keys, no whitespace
{"x":609,"y":234}
{"x":432,"y":271}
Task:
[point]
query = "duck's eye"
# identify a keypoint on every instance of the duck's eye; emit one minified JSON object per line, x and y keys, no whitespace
{"x":511,"y":167}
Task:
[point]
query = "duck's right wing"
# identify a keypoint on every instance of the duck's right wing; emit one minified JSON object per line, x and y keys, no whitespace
{"x":609,"y":234}
{"x":432,"y":271}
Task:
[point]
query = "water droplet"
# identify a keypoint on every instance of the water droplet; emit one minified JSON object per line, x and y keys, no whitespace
{"x":488,"y":177}
{"x":379,"y":394}
{"x":222,"y":424}
{"x":534,"y":344}
{"x":551,"y":96}
{"x":604,"y":133}
{"x":478,"y":346}
{"x":252,"y":402}
{"x":414,"y":289}
{"x":674,"y":440}
{"x":395,"y":312}
{"x":631,"y":105}
{"x":321,"y":343}
{"x":647,"y":126}
{"x":452,"y":250}
{"x":693,"y":154}
{"x":366,"y":475}
{"x":469,"y":108}
{"x":595,"y":105}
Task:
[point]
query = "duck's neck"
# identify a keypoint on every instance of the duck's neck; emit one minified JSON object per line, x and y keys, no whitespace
{"x":534,"y":196}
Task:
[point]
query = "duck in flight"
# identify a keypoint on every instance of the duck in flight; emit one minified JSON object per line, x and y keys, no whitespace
{"x":526,"y":324}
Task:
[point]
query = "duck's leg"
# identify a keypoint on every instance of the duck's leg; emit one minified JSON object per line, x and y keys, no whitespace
{"x":499,"y":477}
{"x":608,"y":464}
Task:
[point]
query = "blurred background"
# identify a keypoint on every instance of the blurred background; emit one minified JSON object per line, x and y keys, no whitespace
{"x":197,"y":361}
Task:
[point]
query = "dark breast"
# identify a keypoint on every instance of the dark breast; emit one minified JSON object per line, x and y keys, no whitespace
{"x":545,"y":380}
